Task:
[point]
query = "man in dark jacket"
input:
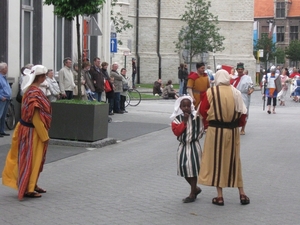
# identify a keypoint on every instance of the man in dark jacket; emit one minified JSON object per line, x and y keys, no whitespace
{"x":97,"y":78}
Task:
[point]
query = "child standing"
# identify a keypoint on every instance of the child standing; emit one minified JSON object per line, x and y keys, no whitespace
{"x":188,"y":128}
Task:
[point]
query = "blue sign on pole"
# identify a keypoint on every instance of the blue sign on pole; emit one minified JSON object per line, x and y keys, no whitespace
{"x":113,"y":45}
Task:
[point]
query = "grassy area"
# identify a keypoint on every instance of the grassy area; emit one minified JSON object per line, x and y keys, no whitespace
{"x":175,"y":86}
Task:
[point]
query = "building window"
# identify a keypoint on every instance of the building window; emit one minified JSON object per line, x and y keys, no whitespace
{"x":26,"y":32}
{"x":59,"y":42}
{"x":264,"y":31}
{"x":294,"y":33}
{"x":280,"y":9}
{"x":280,"y":33}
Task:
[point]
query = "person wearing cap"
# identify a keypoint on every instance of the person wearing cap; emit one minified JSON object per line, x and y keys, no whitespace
{"x":133,"y":72}
{"x":271,"y":92}
{"x":197,"y":84}
{"x":225,"y":111}
{"x":244,"y":84}
{"x":26,"y":156}
{"x":5,"y":96}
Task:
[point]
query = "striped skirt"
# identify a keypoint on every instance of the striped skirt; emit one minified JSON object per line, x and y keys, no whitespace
{"x":188,"y":159}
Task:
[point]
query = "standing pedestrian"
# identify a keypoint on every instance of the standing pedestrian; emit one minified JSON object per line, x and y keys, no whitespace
{"x":225,"y":111}
{"x":27,"y":154}
{"x":284,"y":86}
{"x":188,"y":129}
{"x":5,"y":96}
{"x":244,"y":84}
{"x":97,"y":78}
{"x":186,"y":73}
{"x":271,"y":91}
{"x":123,"y":94}
{"x":66,"y":79}
{"x":198,"y":83}
{"x":133,"y":72}
{"x":118,"y":87}
{"x":182,"y":76}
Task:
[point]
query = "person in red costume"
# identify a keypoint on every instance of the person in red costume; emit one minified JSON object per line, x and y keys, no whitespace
{"x":197,"y":84}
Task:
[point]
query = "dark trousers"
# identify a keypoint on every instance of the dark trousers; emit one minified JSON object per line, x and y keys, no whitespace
{"x":111,"y":104}
{"x":133,"y":78}
{"x":184,"y":87}
{"x":69,"y":95}
{"x":270,"y":99}
{"x":122,"y":102}
{"x":117,"y":102}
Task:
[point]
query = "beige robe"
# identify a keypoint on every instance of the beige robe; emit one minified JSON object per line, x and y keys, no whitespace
{"x":220,"y":164}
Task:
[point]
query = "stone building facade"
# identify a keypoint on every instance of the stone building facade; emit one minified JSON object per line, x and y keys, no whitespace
{"x":158,"y":27}
{"x":31,"y":33}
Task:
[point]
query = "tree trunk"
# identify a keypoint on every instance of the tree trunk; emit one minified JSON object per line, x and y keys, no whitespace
{"x":79,"y":58}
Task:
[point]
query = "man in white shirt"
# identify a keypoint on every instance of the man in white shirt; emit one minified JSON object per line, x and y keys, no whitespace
{"x":66,"y":79}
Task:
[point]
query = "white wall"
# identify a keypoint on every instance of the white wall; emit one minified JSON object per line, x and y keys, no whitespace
{"x":48,"y":37}
{"x":14,"y":42}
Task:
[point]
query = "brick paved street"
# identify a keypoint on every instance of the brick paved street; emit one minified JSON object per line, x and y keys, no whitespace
{"x":135,"y":181}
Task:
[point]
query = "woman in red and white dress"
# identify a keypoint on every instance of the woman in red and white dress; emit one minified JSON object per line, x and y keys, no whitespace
{"x":284,"y":84}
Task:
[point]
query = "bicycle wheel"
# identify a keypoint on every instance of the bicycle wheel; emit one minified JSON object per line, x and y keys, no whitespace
{"x":10,"y":119}
{"x":135,"y":97}
{"x":127,"y":101}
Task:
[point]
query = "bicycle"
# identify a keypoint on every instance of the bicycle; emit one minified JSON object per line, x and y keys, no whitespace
{"x":10,"y":119}
{"x":133,"y":97}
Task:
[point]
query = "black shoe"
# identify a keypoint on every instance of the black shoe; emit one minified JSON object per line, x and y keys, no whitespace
{"x":1,"y":135}
{"x":120,"y":112}
{"x":4,"y":134}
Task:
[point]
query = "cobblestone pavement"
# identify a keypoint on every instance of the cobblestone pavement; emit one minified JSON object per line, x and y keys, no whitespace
{"x":135,"y":181}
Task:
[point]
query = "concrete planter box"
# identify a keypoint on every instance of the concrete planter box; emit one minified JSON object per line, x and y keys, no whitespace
{"x":79,"y":122}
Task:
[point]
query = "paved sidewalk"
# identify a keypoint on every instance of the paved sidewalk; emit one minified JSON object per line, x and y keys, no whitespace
{"x":135,"y":181}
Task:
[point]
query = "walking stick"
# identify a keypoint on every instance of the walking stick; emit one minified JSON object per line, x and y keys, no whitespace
{"x":264,"y":93}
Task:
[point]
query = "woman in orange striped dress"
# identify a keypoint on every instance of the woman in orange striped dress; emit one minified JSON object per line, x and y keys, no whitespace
{"x":27,"y":154}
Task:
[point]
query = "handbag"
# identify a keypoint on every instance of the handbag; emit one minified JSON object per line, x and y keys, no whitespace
{"x":107,"y":86}
{"x":19,"y":96}
{"x":125,"y":87}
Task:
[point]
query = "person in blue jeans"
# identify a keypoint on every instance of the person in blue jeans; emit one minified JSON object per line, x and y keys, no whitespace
{"x":5,"y":96}
{"x":182,"y":76}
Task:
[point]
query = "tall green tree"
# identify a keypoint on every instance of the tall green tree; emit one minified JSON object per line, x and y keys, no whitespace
{"x":118,"y":20}
{"x":293,"y":51}
{"x":70,"y":9}
{"x":280,"y":55}
{"x":201,"y":33}
{"x":267,"y":45}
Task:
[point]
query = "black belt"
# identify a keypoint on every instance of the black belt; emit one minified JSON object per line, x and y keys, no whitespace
{"x":26,"y":124}
{"x":228,"y":125}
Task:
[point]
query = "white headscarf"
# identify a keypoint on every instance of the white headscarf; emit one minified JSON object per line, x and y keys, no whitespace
{"x":30,"y":75}
{"x":222,"y":77}
{"x":178,"y":111}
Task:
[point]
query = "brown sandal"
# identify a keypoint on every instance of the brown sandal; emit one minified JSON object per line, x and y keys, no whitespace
{"x":32,"y":195}
{"x":40,"y":190}
{"x":244,"y":200}
{"x":218,"y":201}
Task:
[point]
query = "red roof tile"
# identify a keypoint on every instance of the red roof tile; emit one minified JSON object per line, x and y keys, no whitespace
{"x":265,"y":8}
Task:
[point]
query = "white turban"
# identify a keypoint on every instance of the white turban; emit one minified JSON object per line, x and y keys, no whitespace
{"x":178,"y":111}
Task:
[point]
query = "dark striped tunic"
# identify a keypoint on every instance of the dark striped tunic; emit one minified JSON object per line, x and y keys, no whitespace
{"x":189,"y":149}
{"x":220,"y":164}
